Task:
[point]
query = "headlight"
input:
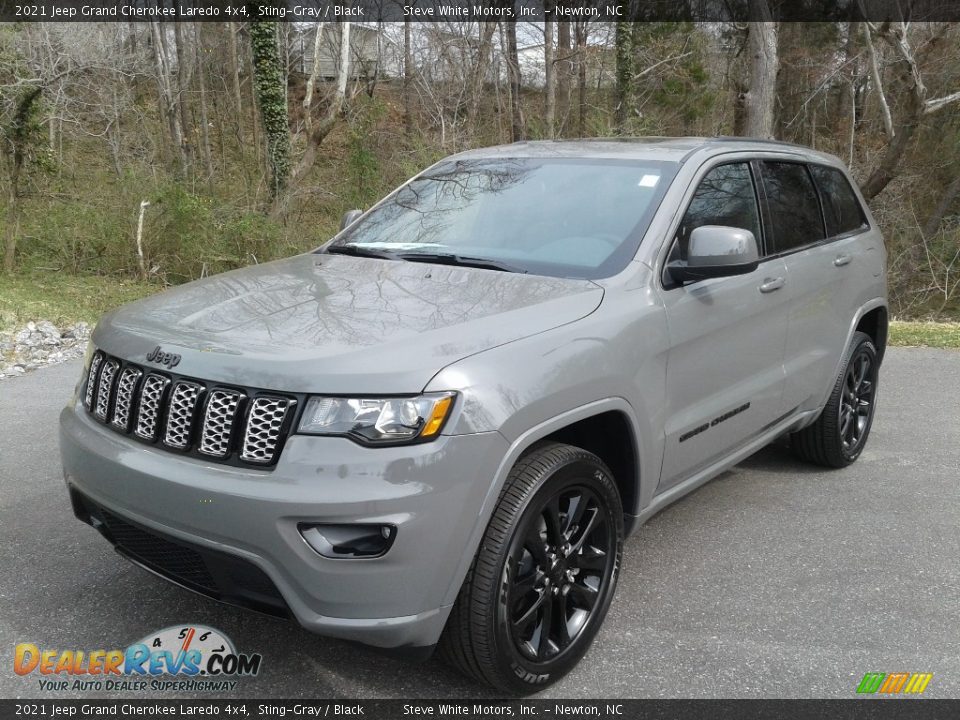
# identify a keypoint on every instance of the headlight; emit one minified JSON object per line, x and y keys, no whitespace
{"x":378,"y":420}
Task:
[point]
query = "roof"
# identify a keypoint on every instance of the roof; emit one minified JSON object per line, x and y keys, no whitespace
{"x":676,"y":149}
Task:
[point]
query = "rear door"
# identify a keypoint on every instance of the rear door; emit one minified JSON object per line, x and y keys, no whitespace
{"x":725,"y":365}
{"x":815,"y":222}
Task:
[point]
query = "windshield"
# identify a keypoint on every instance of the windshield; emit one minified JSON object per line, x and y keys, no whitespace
{"x":560,"y":217}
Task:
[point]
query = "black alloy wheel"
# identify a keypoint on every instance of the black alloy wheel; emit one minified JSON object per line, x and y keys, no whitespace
{"x":839,"y":435}
{"x":557,"y":566}
{"x":856,"y":406}
{"x":544,"y":575}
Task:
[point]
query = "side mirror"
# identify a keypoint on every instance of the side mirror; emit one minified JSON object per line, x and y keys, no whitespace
{"x":716,"y":251}
{"x":348,"y":217}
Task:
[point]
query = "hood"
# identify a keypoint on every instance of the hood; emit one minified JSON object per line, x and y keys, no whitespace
{"x":339,"y":324}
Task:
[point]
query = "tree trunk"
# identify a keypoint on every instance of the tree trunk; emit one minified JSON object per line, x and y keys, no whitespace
{"x":18,"y":138}
{"x":513,"y":73}
{"x":949,"y":197}
{"x":480,"y":72}
{"x":180,"y":92}
{"x":204,"y":118}
{"x":550,"y":76}
{"x":12,"y":222}
{"x":323,"y":129}
{"x":760,"y":98}
{"x":272,"y":100}
{"x":626,"y":69}
{"x":312,"y":80}
{"x":235,"y":68}
{"x":407,"y":78}
{"x":167,"y":104}
{"x":564,"y":72}
{"x":580,"y":30}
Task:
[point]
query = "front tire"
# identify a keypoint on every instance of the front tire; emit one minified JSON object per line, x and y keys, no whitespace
{"x":543,"y":578}
{"x":839,"y":435}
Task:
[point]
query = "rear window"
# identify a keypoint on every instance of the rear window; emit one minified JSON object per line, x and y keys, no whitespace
{"x":841,"y":208}
{"x":793,"y":204}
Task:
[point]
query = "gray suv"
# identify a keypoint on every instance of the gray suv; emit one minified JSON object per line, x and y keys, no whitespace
{"x":437,"y":429}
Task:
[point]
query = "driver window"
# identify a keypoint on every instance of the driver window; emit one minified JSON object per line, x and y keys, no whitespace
{"x":725,"y":196}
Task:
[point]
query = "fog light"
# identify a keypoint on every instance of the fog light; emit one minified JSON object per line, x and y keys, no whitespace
{"x":349,"y":541}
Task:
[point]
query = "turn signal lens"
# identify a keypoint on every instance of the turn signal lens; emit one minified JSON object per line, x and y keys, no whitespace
{"x":440,"y":411}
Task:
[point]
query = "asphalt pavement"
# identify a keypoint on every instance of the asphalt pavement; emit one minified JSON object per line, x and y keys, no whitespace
{"x":776,"y":579}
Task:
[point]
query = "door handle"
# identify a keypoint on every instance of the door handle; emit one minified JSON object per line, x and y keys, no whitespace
{"x":770,"y":285}
{"x":842,"y":260}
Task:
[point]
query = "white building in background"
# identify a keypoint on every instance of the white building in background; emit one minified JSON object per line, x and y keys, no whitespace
{"x":365,"y":50}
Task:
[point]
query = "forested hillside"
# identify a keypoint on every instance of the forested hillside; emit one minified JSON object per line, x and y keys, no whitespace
{"x":160,"y":152}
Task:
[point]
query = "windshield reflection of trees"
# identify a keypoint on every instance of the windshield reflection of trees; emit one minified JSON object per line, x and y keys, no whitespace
{"x":425,"y":210}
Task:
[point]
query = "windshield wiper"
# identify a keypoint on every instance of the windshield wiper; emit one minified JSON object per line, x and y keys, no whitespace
{"x":360,"y":251}
{"x":461,"y":260}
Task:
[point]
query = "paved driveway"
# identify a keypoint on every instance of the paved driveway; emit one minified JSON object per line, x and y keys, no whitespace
{"x":774,"y":580}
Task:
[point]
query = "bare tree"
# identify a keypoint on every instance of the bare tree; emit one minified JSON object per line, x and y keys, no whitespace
{"x":314,"y":74}
{"x":914,"y":104}
{"x":549,"y":73}
{"x":760,"y":99}
{"x":320,"y":131}
{"x":167,"y":95}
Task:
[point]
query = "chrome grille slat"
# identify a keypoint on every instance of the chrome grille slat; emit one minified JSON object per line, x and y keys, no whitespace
{"x":95,"y":363}
{"x":123,"y":403}
{"x":105,"y":388}
{"x":149,"y":414}
{"x":218,"y":421}
{"x":262,"y":432}
{"x":239,"y":426}
{"x":180,"y":411}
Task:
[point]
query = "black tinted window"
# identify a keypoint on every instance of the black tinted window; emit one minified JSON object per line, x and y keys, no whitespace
{"x":840,"y":205}
{"x":725,"y":196}
{"x":794,"y":207}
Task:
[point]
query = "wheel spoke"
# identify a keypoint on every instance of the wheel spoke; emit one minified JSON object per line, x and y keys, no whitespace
{"x":525,"y":585}
{"x":551,"y":514}
{"x":529,"y":615}
{"x":591,"y":559}
{"x":575,"y":510}
{"x":560,"y":620}
{"x":583,"y":595}
{"x":845,"y":417}
{"x":546,"y":625}
{"x":584,"y":532}
{"x":534,"y":544}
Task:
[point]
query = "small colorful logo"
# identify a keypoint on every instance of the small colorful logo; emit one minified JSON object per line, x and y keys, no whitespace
{"x":190,"y":652}
{"x":894,"y":683}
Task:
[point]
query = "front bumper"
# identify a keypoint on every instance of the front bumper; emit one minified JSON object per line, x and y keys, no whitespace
{"x":242,"y":523}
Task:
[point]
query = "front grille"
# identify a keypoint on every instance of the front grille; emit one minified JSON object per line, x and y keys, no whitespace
{"x":124,"y":400}
{"x":236,"y":426}
{"x":183,"y":405}
{"x":264,"y":425}
{"x":218,"y":422}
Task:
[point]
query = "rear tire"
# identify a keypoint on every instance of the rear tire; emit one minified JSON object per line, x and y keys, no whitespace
{"x":544,"y":575}
{"x":839,"y":435}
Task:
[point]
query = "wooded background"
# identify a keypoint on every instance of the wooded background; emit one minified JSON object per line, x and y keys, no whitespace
{"x":167,"y":151}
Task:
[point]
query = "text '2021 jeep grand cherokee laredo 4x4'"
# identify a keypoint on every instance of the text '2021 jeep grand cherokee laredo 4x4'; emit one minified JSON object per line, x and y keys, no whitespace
{"x":439,"y":427}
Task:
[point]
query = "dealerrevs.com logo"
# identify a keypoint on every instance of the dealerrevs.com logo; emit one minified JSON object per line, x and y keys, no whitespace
{"x":178,"y":658}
